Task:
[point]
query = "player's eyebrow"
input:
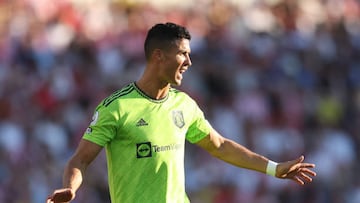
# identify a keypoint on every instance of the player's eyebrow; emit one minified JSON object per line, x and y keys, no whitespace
{"x":184,"y":50}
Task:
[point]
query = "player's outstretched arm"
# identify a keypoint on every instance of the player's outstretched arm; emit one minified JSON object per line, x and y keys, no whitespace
{"x":74,"y":172}
{"x":238,"y":155}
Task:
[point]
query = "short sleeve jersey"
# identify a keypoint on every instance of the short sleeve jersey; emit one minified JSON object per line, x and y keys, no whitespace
{"x":144,"y":140}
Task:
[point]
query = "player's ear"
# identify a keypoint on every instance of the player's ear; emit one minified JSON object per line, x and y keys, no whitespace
{"x":158,"y":55}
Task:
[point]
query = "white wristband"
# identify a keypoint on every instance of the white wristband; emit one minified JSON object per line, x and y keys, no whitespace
{"x":271,"y":168}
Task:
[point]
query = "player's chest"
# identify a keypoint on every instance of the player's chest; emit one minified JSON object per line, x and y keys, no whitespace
{"x":155,"y":123}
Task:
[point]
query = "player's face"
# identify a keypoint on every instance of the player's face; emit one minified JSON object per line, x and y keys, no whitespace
{"x":176,"y":62}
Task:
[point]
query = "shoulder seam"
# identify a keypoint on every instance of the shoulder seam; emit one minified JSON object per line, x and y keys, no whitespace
{"x":108,"y":100}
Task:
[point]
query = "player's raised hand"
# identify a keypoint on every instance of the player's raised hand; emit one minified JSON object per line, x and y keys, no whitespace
{"x":61,"y":195}
{"x":296,"y":170}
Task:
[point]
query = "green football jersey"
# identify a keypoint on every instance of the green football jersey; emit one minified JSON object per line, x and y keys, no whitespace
{"x":144,"y":140}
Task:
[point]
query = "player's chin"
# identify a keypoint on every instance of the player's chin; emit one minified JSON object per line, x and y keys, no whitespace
{"x":177,"y":81}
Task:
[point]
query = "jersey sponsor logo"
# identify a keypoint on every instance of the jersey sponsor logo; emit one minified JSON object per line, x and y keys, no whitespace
{"x":164,"y":148}
{"x":141,"y":122}
{"x":146,"y":149}
{"x":178,"y":118}
{"x":143,"y":150}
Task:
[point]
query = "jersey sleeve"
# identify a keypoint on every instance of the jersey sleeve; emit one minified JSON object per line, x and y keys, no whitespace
{"x":199,"y":127}
{"x":102,"y":128}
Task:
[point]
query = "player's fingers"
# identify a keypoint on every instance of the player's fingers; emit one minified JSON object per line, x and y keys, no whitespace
{"x":307,"y":165}
{"x":305,"y":177}
{"x":298,"y":180}
{"x":300,"y":159}
{"x":62,"y":197}
{"x":308,"y":172}
{"x":295,"y":162}
{"x":49,"y":199}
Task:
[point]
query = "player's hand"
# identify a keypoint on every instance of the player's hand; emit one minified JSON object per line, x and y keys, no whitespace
{"x":61,"y":195}
{"x":296,"y":170}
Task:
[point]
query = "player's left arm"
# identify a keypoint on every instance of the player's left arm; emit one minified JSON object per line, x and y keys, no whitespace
{"x":238,"y":155}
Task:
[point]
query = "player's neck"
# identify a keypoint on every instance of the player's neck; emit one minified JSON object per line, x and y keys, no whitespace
{"x":153,"y":89}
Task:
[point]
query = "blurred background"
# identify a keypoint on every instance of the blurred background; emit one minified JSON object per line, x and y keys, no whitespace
{"x":282,"y":77}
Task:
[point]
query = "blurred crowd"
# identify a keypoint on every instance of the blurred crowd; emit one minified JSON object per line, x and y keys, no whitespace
{"x":282,"y":77}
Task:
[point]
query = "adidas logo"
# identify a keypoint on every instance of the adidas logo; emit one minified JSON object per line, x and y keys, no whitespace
{"x":141,"y":122}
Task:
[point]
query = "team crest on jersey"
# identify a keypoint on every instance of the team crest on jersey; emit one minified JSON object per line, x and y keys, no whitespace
{"x":178,"y":118}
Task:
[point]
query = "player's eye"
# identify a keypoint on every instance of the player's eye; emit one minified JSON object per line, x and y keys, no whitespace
{"x":186,"y":54}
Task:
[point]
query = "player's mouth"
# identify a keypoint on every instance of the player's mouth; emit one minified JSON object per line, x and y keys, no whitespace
{"x":180,"y":73}
{"x":182,"y":70}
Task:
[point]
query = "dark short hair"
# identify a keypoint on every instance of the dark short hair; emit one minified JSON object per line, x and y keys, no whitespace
{"x":162,"y":36}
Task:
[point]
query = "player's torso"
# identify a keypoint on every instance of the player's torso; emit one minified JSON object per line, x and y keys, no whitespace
{"x":152,"y":126}
{"x":147,"y":153}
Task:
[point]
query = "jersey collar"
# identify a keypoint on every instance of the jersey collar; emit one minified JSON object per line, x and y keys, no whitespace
{"x":143,"y":94}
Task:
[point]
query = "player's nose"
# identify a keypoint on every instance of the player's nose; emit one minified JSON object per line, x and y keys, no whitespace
{"x":188,"y":61}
